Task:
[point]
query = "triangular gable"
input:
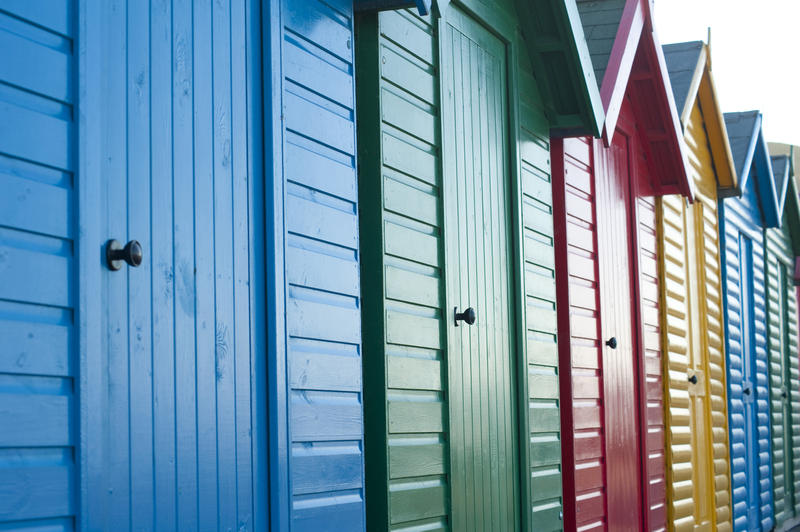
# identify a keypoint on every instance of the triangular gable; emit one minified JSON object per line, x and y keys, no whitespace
{"x":629,"y":61}
{"x":752,"y":160}
{"x":689,"y":66}
{"x":553,"y":35}
{"x":784,"y":159}
{"x":778,"y":148}
{"x":780,"y":172}
{"x":554,"y":38}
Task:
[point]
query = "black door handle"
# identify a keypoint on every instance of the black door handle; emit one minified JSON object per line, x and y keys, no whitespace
{"x":467,"y":316}
{"x":693,"y":379}
{"x":612,"y":342}
{"x":747,"y":391}
{"x":116,"y":254}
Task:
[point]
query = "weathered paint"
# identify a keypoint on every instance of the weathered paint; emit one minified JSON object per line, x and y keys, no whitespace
{"x":135,"y":399}
{"x":607,"y":269}
{"x":39,"y":360}
{"x":140,"y":399}
{"x":698,"y":464}
{"x":412,"y":177}
{"x":782,"y":246}
{"x":742,"y":221}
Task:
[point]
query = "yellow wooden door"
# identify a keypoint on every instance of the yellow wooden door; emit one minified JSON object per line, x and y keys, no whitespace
{"x":698,"y":469}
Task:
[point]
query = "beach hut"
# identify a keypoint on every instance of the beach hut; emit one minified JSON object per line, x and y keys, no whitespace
{"x":742,"y":223}
{"x":781,"y":249}
{"x":610,"y":342}
{"x":460,"y":361}
{"x":697,"y":458}
{"x":179,"y":266}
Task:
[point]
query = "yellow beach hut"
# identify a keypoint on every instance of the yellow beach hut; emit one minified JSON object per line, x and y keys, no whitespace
{"x":697,"y":457}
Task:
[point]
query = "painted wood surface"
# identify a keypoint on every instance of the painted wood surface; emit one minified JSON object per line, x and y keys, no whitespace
{"x":650,"y":365}
{"x":612,"y":409}
{"x":623,"y":458}
{"x":783,"y":368}
{"x":481,"y":358}
{"x":39,"y":360}
{"x":319,"y":465}
{"x":540,"y":364}
{"x":403,"y":272}
{"x":172,"y":408}
{"x":747,"y":360}
{"x":698,"y":466}
{"x":406,"y":389}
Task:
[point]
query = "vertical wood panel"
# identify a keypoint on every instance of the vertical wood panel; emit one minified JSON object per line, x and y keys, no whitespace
{"x":481,"y":358}
{"x":620,"y":366}
{"x":182,"y":413}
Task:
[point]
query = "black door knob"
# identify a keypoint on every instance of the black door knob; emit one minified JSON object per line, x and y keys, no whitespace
{"x":116,"y":254}
{"x":747,"y":391}
{"x":467,"y":316}
{"x":612,"y":342}
{"x":784,"y":394}
{"x":693,"y":379}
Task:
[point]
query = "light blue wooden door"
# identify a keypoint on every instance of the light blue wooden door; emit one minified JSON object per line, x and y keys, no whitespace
{"x":131,"y":120}
{"x":175,"y":390}
{"x":38,"y":296}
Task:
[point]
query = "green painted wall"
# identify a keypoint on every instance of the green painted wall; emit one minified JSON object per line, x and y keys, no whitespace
{"x":405,"y":318}
{"x":784,"y":374}
{"x":540,"y":304}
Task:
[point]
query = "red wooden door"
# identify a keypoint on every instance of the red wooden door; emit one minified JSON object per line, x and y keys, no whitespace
{"x":620,"y":352}
{"x":612,"y":420}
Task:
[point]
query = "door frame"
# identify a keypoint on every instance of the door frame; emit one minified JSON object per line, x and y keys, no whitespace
{"x":504,"y":30}
{"x":628,"y":129}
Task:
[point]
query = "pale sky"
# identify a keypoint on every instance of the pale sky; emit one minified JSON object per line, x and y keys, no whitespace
{"x":755,"y":54}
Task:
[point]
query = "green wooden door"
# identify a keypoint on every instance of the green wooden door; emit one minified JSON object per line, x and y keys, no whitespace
{"x":481,"y":357}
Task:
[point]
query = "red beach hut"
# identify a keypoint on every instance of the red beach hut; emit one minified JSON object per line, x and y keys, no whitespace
{"x":607,"y":280}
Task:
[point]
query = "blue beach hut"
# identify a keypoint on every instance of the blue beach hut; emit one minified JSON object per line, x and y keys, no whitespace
{"x":742,"y":223}
{"x":179,"y":266}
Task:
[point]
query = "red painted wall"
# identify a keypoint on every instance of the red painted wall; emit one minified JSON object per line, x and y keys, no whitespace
{"x":612,"y":418}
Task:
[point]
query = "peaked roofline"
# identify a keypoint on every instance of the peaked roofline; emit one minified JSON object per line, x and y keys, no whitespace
{"x":781,"y":181}
{"x":758,"y":157}
{"x":790,"y":213}
{"x":553,"y":35}
{"x":791,"y":210}
{"x":635,"y":35}
{"x":702,"y":90}
{"x":620,"y":64}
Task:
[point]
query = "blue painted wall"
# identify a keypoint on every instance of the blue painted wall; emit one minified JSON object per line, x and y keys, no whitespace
{"x":315,"y":306}
{"x":38,"y":288}
{"x":218,"y":385}
{"x":133,"y":399}
{"x":741,"y":225}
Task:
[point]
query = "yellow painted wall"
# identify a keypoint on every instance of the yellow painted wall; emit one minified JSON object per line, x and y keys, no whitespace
{"x":698,"y":466}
